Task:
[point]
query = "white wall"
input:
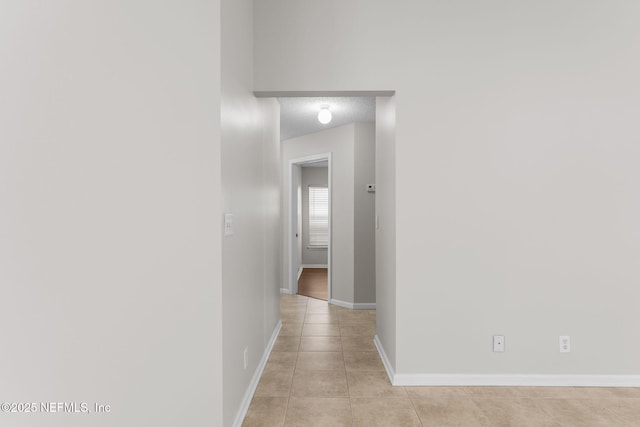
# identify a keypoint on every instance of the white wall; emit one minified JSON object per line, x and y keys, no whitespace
{"x":516,"y":125}
{"x":110,"y":211}
{"x":250,"y":185}
{"x":273,"y":275}
{"x":297,"y":202}
{"x":364,"y":256}
{"x":385,"y":235}
{"x":317,"y":177}
{"x":114,"y":174}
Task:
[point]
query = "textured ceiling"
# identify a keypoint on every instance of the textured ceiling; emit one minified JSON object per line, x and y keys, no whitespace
{"x":299,"y":116}
{"x":320,"y":164}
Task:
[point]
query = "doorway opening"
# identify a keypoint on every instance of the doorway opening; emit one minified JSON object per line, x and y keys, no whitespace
{"x":310,"y":226}
{"x":350,"y":141}
{"x":313,"y":282}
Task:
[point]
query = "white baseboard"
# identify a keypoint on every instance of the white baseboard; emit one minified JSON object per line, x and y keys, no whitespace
{"x":353,"y":306}
{"x":513,"y":380}
{"x":385,"y":360}
{"x":522,"y":380}
{"x":246,"y":401}
{"x":314,"y":266}
{"x":286,"y":291}
{"x":300,"y":272}
{"x":364,"y":306}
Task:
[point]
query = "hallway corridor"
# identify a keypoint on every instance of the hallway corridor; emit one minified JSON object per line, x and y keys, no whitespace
{"x":324,"y":369}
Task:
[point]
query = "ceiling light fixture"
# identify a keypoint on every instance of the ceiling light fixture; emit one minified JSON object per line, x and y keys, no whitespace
{"x":324,"y":116}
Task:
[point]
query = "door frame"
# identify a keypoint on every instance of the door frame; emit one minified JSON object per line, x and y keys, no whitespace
{"x":293,"y":213}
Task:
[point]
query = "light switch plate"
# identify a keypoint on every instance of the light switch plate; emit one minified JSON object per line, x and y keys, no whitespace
{"x":228,"y":224}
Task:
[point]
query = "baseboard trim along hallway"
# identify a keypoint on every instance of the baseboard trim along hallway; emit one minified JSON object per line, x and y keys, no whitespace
{"x":514,"y":380}
{"x":384,"y":358}
{"x":248,"y":396}
{"x":354,"y":306}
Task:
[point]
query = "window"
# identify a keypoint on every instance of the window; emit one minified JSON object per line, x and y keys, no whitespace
{"x":318,"y":216}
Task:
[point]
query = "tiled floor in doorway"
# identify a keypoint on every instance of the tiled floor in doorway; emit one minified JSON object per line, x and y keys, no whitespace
{"x":325,"y":371}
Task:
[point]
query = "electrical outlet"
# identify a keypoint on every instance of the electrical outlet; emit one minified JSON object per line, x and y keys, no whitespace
{"x":565,"y":344}
{"x":498,"y":343}
{"x":246,"y":357}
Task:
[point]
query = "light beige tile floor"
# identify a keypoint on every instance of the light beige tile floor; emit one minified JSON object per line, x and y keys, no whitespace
{"x":324,"y":370}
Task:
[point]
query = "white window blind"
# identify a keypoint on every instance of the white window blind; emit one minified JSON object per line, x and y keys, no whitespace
{"x":318,"y":216}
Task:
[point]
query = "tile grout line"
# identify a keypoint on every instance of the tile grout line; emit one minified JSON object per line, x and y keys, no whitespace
{"x":413,"y":405}
{"x":284,"y":419}
{"x":346,"y":376}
